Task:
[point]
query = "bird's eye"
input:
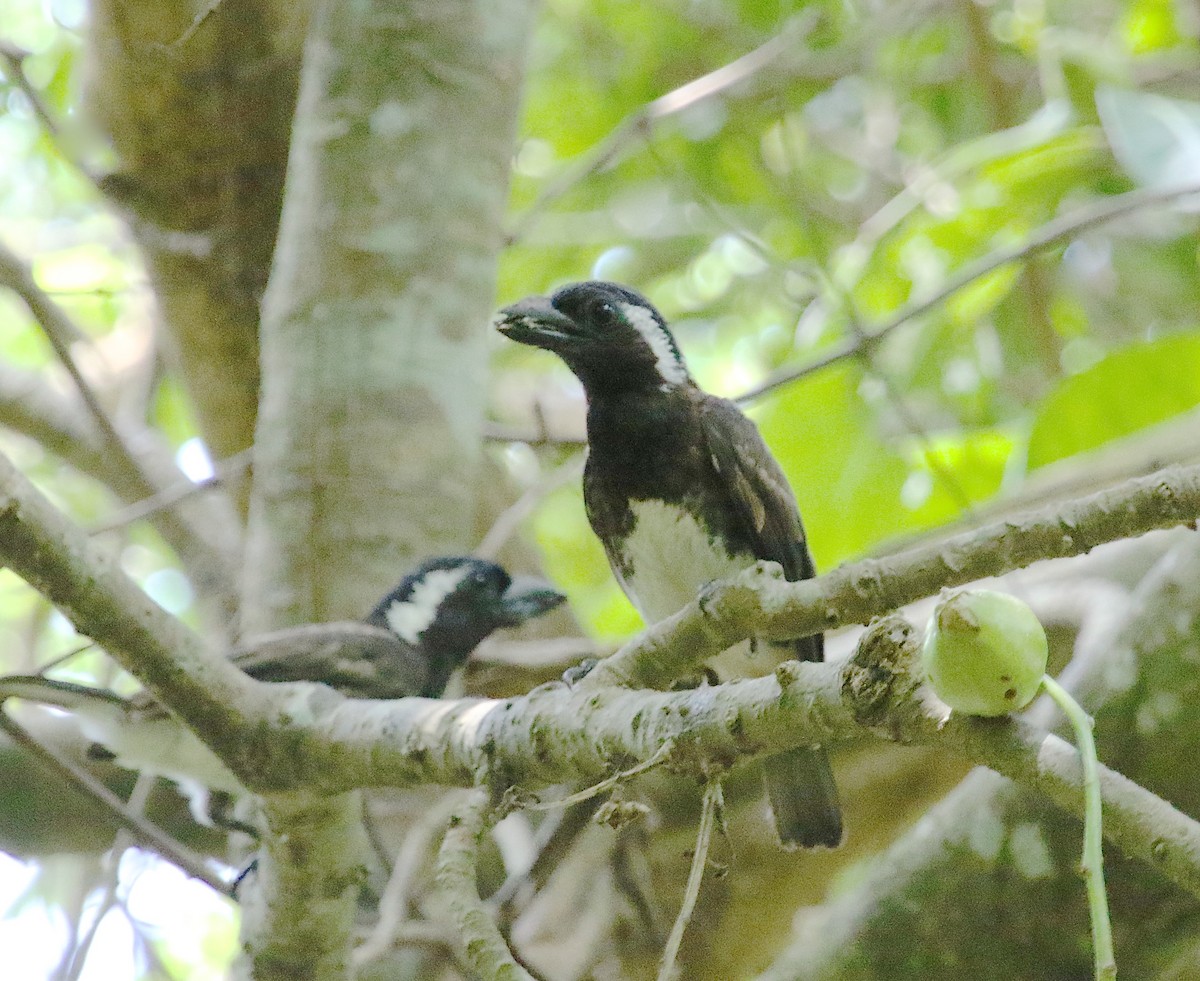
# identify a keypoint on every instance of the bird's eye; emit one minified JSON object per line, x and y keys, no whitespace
{"x":606,"y":311}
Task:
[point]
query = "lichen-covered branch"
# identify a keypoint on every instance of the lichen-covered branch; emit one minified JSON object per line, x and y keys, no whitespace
{"x":754,"y":603}
{"x":992,"y":846}
{"x":327,"y":744}
{"x":882,"y":682}
{"x":457,"y":876}
{"x":57,"y":558}
{"x":314,"y":857}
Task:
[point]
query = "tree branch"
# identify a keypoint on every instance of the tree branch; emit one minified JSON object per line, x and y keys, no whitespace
{"x":747,"y":605}
{"x":311,"y":867}
{"x":133,"y":465}
{"x":882,"y":683}
{"x":938,"y":886}
{"x":141,"y":829}
{"x":1050,"y":234}
{"x":57,"y":558}
{"x":457,"y":870}
{"x":608,"y":150}
{"x":556,"y":733}
{"x":61,"y":332}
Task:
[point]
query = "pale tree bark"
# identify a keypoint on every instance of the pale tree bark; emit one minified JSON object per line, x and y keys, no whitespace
{"x":375,"y":338}
{"x":305,"y":748}
{"x":199,"y":114}
{"x":376,"y":327}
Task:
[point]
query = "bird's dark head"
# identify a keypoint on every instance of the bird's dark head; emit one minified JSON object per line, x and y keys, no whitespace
{"x":609,"y":335}
{"x":454,"y":602}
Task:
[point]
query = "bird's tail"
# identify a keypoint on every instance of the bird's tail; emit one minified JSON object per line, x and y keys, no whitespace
{"x":800,"y":787}
{"x":804,"y":799}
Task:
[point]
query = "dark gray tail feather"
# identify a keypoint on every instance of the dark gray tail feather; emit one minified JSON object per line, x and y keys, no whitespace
{"x":804,"y":799}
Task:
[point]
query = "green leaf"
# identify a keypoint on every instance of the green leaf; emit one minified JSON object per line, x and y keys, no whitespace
{"x":1128,"y":390}
{"x":848,"y":482}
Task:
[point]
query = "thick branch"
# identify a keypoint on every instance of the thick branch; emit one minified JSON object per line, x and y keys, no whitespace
{"x":310,"y":871}
{"x":754,"y":604}
{"x":937,"y":888}
{"x":882,"y":684}
{"x":57,"y":558}
{"x":559,"y":733}
{"x":586,"y":733}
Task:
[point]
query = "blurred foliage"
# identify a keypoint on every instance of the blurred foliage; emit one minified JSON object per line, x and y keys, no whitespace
{"x":882,"y":151}
{"x":887,"y":148}
{"x":890,"y":149}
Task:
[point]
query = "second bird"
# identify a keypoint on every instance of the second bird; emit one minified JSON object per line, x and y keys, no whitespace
{"x":682,"y":490}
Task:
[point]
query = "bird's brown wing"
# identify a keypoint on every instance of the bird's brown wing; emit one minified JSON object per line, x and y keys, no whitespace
{"x":759,"y":496}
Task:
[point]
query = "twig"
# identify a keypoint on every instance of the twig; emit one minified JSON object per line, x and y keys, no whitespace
{"x":510,"y":519}
{"x":661,"y":756}
{"x":142,"y":830}
{"x":61,"y":332}
{"x":197,"y":22}
{"x":393,"y":904}
{"x":457,"y":868}
{"x":136,"y":805}
{"x":1050,"y":234}
{"x":640,"y":123}
{"x":204,"y":537}
{"x":912,"y":424}
{"x":502,"y":433}
{"x":691,"y":892}
{"x":65,"y":656}
{"x":14,"y":58}
{"x":58,"y":327}
{"x":168,"y":497}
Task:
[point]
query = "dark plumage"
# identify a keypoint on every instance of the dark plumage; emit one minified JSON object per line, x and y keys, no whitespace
{"x":681,"y":489}
{"x":414,"y":638}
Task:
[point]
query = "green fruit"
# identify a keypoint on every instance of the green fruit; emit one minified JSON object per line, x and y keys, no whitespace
{"x":985,"y":653}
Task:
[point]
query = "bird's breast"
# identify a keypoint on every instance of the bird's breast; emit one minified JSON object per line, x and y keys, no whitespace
{"x":667,"y":556}
{"x":663,"y":562}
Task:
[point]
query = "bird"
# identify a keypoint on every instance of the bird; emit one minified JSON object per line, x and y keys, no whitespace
{"x":410,"y":643}
{"x":681,"y":490}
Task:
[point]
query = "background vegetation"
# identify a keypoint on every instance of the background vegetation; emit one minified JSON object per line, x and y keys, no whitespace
{"x":942,"y":248}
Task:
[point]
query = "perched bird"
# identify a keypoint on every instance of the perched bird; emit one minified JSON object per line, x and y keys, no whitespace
{"x":409,"y":644}
{"x":682,"y":490}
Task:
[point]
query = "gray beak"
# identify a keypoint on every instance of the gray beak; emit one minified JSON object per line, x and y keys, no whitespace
{"x":528,"y":597}
{"x":535,"y":322}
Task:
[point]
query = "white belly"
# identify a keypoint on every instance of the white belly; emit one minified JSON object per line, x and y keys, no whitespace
{"x":672,"y":558}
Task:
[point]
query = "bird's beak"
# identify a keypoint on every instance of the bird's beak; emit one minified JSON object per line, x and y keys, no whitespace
{"x":534,"y":321}
{"x":528,"y":597}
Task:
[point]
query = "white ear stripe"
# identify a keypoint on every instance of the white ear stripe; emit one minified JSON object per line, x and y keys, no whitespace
{"x":667,"y":361}
{"x":411,"y":617}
